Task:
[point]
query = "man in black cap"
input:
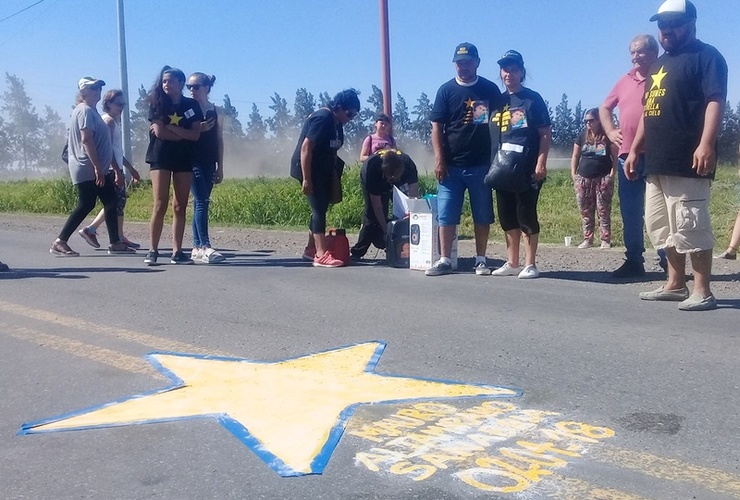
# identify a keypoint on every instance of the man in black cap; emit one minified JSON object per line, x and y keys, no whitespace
{"x":684,"y":105}
{"x":462,"y":152}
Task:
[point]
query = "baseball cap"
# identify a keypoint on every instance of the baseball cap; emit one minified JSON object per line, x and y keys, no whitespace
{"x":88,"y":82}
{"x":675,"y":9}
{"x":465,"y":51}
{"x":511,"y":56}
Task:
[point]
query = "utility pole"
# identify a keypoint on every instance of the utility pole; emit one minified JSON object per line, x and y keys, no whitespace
{"x":385,"y":58}
{"x":125,"y":116}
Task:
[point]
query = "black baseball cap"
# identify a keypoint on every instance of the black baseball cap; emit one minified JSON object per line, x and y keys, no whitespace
{"x":465,"y":52}
{"x":511,"y":56}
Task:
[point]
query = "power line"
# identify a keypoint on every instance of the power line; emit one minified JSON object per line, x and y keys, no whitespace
{"x":22,"y":10}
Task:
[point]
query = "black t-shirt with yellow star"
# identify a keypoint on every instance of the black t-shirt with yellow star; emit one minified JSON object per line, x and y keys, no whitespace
{"x":676,"y":95}
{"x":517,"y":118}
{"x":464,"y":112}
{"x":174,"y":155}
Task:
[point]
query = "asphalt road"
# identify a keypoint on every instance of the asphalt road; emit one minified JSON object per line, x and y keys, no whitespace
{"x":619,"y":398}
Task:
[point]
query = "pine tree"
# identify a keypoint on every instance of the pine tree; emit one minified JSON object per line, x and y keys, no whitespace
{"x":232,"y":126}
{"x":402,"y":128}
{"x":23,"y":130}
{"x":422,"y":124}
{"x":55,"y":137}
{"x":305,"y":104}
{"x":256,"y":126}
{"x":139,"y":126}
{"x":563,"y":126}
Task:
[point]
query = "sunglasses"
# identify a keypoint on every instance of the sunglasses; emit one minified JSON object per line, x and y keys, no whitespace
{"x":665,"y":24}
{"x":194,"y":86}
{"x":589,"y":120}
{"x":119,"y":103}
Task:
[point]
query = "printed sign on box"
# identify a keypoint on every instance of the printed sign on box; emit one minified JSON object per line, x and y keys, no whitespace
{"x":424,"y":234}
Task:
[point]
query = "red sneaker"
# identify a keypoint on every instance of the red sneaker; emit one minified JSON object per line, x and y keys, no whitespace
{"x":327,"y":260}
{"x":89,"y":236}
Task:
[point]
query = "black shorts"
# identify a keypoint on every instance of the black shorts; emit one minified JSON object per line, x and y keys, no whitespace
{"x":171,"y":168}
{"x":519,"y":210}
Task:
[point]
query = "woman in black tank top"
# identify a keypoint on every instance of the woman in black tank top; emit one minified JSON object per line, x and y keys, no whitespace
{"x":207,"y":169}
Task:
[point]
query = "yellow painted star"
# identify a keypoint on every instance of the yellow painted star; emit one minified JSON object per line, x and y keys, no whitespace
{"x":175,"y":119}
{"x":657,"y":78}
{"x":470,"y":102}
{"x":291,"y":413}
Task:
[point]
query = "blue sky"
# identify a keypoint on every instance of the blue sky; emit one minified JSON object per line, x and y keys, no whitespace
{"x":256,"y":48}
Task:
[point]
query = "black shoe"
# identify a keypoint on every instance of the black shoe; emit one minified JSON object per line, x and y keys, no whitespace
{"x":179,"y":257}
{"x":630,"y":269}
{"x":151,"y":258}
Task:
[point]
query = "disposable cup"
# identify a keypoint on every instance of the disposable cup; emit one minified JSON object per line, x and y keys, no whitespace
{"x":568,"y":240}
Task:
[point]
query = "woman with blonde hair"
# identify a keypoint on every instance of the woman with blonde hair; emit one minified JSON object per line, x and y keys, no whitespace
{"x":593,"y":167}
{"x":113,"y":104}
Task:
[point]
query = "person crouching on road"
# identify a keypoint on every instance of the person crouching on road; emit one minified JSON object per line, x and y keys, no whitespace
{"x":379,"y":173}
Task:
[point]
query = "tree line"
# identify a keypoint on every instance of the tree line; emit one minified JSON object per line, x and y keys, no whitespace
{"x":31,"y":143}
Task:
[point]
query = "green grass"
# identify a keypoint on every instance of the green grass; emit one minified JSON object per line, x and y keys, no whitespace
{"x":264,"y":202}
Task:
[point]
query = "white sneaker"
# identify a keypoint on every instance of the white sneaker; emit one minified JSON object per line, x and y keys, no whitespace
{"x":210,"y":256}
{"x":529,"y":272}
{"x":507,"y":270}
{"x":481,"y":269}
{"x":586,"y":244}
{"x":605,"y":244}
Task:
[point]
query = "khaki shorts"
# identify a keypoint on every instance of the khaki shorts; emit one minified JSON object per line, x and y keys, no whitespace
{"x":677,"y":213}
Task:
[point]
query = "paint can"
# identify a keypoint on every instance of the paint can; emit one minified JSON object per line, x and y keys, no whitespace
{"x":338,"y":244}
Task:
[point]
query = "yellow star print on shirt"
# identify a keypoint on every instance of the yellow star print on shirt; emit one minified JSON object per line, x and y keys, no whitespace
{"x":175,"y":119}
{"x":658,"y":78}
{"x":291,"y":413}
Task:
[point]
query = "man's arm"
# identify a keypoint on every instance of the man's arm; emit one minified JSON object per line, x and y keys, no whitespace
{"x":638,"y":144}
{"x":705,"y":158}
{"x":440,"y":167}
{"x":380,"y":216}
{"x":607,"y":123}
{"x":88,"y":142}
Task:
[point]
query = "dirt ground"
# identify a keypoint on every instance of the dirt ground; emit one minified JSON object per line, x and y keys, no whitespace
{"x":555,"y":261}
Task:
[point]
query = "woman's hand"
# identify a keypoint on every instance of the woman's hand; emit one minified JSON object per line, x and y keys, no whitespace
{"x":540,"y":171}
{"x":135,"y":176}
{"x":207,"y":125}
{"x":218,"y":175}
{"x":118,"y":178}
{"x":307,"y":187}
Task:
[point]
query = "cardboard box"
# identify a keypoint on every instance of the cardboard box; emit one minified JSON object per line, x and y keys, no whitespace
{"x":424,"y":234}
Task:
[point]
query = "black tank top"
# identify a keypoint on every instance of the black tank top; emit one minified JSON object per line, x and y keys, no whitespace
{"x":206,"y":149}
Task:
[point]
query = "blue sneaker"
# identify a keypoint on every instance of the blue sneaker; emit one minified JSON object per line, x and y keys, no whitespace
{"x":151,"y":258}
{"x":439,"y":269}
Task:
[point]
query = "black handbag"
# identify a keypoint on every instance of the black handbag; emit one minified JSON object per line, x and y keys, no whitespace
{"x":510,"y":171}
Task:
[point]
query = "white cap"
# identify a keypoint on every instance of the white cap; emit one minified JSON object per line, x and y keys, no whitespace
{"x":87,"y":82}
{"x":671,"y":9}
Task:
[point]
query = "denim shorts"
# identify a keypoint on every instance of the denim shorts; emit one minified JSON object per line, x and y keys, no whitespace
{"x":451,"y":193}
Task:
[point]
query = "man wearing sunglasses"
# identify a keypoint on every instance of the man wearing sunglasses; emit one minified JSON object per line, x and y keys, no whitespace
{"x":684,"y":103}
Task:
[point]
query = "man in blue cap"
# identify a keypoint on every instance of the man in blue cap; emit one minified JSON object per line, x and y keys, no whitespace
{"x":684,"y":105}
{"x":462,"y":153}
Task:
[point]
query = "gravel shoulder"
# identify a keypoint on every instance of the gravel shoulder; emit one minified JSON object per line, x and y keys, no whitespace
{"x":557,"y":261}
